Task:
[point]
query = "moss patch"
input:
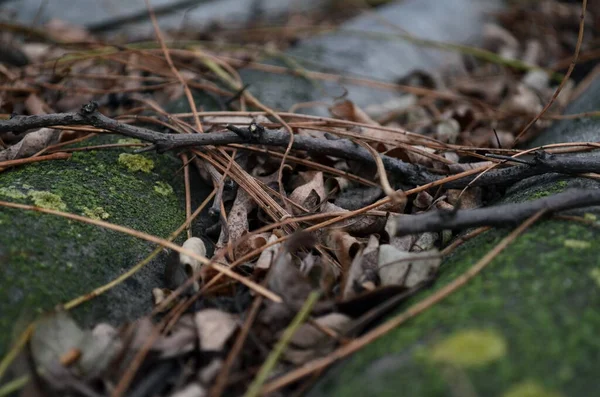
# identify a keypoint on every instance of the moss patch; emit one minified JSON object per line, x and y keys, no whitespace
{"x":469,"y":348}
{"x":529,"y":389}
{"x":45,"y":199}
{"x":12,"y":192}
{"x":97,"y":213}
{"x":136,"y":162}
{"x":162,"y":188}
{"x":46,"y":259}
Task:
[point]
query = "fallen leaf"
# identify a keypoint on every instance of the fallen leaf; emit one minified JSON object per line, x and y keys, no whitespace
{"x":214,"y":327}
{"x":406,"y":268}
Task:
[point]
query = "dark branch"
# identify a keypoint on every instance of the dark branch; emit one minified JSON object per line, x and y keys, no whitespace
{"x":413,"y":174}
{"x":498,"y":215}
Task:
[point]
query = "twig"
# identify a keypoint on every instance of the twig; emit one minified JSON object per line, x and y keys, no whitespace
{"x":394,"y":322}
{"x":498,"y":215}
{"x":343,"y":148}
{"x":54,"y":156}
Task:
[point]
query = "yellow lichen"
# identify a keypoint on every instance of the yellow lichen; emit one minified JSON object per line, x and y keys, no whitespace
{"x":136,"y":162}
{"x":162,"y":188}
{"x":127,"y":141}
{"x":590,"y":217}
{"x":97,"y":213}
{"x":595,"y":275}
{"x":12,"y":192}
{"x":470,"y":348}
{"x":529,"y":389}
{"x":577,"y":244}
{"x":47,"y":200}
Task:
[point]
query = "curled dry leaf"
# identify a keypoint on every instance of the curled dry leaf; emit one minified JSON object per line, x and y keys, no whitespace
{"x":363,"y":265}
{"x":469,"y":199}
{"x":268,"y":254}
{"x":34,"y":141}
{"x":285,"y":279}
{"x":311,"y":342}
{"x":310,"y":194}
{"x":406,"y":268}
{"x":344,"y":246}
{"x":214,"y":328}
{"x":361,"y":224}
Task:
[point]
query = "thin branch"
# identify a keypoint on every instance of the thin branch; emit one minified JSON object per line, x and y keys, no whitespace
{"x":498,"y":215}
{"x":344,"y":148}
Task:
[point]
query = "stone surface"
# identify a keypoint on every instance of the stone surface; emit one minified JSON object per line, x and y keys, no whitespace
{"x":380,"y":56}
{"x":192,"y":15}
{"x":526,"y":326}
{"x":46,"y":260}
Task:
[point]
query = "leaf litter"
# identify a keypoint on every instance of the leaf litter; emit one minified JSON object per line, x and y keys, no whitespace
{"x":360,"y":267}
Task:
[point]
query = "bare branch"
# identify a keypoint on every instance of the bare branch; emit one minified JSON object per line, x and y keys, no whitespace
{"x":497,"y":215}
{"x":412,"y":174}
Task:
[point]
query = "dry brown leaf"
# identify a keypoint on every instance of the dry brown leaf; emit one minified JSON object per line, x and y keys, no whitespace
{"x":310,"y":342}
{"x":344,"y":246}
{"x":237,"y":220}
{"x":360,"y":225}
{"x":363,"y":265}
{"x":214,"y":328}
{"x":311,"y":193}
{"x":406,"y":268}
{"x":469,"y":199}
{"x":268,"y":254}
{"x":34,"y":141}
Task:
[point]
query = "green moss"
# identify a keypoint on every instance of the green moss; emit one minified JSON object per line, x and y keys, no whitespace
{"x":469,"y":348}
{"x":45,"y":199}
{"x":97,"y":213}
{"x":126,"y":141}
{"x":162,"y":188}
{"x":12,"y":192}
{"x":46,"y":259}
{"x":529,"y":389}
{"x":595,"y":275}
{"x":136,"y":162}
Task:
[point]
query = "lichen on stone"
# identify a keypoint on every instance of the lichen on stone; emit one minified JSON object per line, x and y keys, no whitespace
{"x":577,"y":244}
{"x":136,"y":162}
{"x":126,"y":141}
{"x":529,"y":389}
{"x":595,"y":275}
{"x":47,"y":200}
{"x":12,"y":192}
{"x":470,"y":348}
{"x":163,"y":188}
{"x":96,"y":213}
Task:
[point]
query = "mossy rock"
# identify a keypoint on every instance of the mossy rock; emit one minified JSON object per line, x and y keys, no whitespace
{"x":527,"y":326}
{"x":46,"y":260}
